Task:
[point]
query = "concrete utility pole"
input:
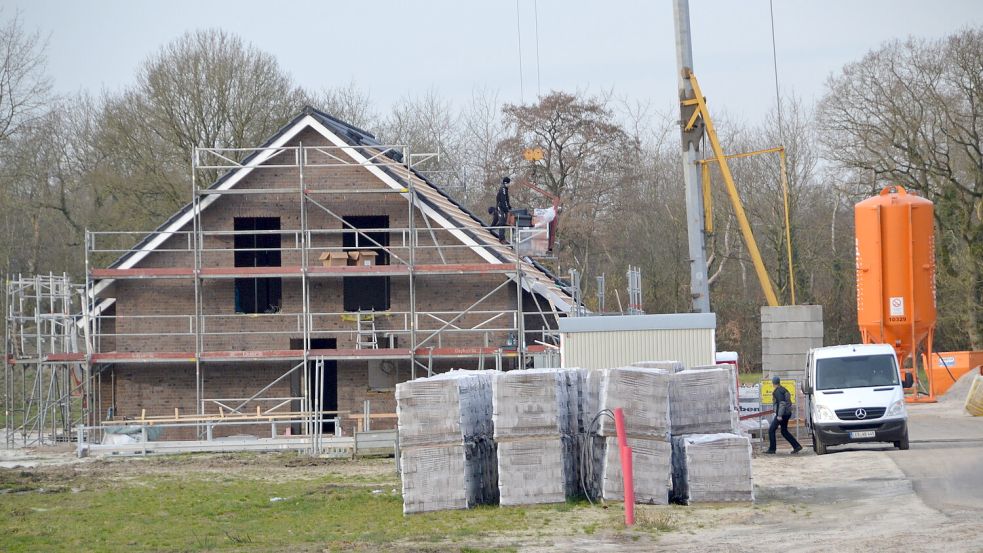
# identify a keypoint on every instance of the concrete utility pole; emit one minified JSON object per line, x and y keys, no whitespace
{"x":699,"y":287}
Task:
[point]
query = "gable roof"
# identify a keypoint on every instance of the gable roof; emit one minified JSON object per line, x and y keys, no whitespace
{"x":361,"y":146}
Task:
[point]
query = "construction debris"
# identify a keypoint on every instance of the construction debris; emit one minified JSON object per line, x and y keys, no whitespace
{"x":447,"y":452}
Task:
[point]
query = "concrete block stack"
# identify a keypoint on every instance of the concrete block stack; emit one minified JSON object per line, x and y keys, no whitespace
{"x":712,"y":468}
{"x":788,"y":332}
{"x":711,"y":460}
{"x":536,"y":417}
{"x":447,"y":454}
{"x":704,"y":401}
{"x":643,"y":394}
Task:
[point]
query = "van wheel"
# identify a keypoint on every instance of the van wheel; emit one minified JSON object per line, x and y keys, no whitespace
{"x":902,"y":444}
{"x":818,"y":445}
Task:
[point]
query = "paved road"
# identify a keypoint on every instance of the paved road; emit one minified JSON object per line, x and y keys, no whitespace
{"x":945,"y":462}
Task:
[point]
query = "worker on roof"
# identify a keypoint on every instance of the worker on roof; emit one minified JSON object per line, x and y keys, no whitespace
{"x":502,"y":201}
{"x":498,"y":221}
{"x":500,"y":211}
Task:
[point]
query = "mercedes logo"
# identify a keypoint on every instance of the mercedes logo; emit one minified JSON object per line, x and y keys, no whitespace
{"x":861,"y":413}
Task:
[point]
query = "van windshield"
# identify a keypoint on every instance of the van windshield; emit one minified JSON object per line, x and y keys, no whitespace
{"x":861,"y":371}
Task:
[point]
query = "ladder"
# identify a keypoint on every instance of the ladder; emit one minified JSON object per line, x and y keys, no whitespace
{"x":365,"y":326}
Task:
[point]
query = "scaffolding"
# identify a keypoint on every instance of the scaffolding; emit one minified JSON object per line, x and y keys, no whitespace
{"x":422,"y":249}
{"x":46,"y":374}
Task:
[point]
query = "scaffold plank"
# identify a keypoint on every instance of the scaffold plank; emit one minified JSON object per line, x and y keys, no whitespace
{"x":143,"y":272}
{"x":233,"y":272}
{"x":143,"y":357}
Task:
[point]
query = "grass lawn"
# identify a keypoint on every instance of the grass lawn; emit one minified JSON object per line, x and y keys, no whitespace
{"x":251,"y":502}
{"x":749,"y":378}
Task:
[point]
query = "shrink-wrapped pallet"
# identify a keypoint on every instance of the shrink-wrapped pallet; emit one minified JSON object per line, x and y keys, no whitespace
{"x":536,"y":414}
{"x":539,"y":469}
{"x":535,"y":402}
{"x":643,"y":395}
{"x":671,"y":366}
{"x":447,"y":454}
{"x":703,"y":401}
{"x":442,"y":477}
{"x":448,"y":408}
{"x":712,"y":468}
{"x":651,"y":470}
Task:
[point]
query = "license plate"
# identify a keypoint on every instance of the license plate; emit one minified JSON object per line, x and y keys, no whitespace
{"x":862,"y":434}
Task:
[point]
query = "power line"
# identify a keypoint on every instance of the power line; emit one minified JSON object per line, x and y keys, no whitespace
{"x":539,"y":84}
{"x":518,"y":33}
{"x":774,"y":59}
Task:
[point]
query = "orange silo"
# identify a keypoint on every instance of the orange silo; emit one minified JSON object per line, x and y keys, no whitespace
{"x":895,"y":242}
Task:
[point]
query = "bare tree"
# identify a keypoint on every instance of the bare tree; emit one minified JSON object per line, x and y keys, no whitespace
{"x":587,"y":158}
{"x":349,"y":103}
{"x":911,"y":113}
{"x":24,"y":85}
{"x":205,"y":89}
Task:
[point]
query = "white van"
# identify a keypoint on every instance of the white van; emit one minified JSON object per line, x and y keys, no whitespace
{"x":855,"y":394}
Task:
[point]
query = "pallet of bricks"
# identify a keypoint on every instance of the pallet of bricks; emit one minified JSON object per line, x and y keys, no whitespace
{"x":536,"y":415}
{"x":643,"y":394}
{"x":711,"y":460}
{"x":447,"y":454}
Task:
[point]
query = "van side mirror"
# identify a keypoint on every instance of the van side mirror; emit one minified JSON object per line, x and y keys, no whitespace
{"x":908,"y":381}
{"x":806,"y":388}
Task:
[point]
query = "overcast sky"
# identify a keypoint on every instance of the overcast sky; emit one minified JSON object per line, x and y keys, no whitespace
{"x":395,"y":49}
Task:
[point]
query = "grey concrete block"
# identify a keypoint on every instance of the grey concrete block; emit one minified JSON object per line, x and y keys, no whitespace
{"x":774,"y":362}
{"x":788,"y":346}
{"x":791,"y":313}
{"x":792,"y":330}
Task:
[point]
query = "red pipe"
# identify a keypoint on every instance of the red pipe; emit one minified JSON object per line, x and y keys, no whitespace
{"x":627,"y":478}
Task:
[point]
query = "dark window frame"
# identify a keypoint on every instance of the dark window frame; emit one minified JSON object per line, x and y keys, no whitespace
{"x":257,"y":294}
{"x":367,"y":293}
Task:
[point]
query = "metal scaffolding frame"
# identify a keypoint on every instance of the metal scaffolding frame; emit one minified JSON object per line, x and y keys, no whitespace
{"x":46,"y":373}
{"x":421,"y":351}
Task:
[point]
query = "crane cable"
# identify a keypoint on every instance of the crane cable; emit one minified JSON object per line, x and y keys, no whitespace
{"x":539,"y":81}
{"x":518,"y":34}
{"x":783,"y":166}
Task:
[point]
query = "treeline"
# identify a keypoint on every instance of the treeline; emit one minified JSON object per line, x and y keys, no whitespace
{"x":909,"y":113}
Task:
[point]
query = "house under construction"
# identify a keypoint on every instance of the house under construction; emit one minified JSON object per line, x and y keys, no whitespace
{"x":315,"y":273}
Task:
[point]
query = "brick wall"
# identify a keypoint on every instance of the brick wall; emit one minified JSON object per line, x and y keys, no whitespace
{"x":157,"y":315}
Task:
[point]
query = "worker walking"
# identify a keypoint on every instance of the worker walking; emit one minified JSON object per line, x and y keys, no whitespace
{"x":502,"y":202}
{"x":782,"y":402}
{"x":500,"y":211}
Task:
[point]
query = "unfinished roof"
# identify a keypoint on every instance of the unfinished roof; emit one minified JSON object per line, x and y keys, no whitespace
{"x":389,"y":168}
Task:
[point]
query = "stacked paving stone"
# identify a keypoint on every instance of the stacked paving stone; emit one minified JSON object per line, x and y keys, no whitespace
{"x":537,"y":419}
{"x":447,"y":454}
{"x":704,"y":401}
{"x":643,"y":394}
{"x":711,"y":459}
{"x":671,"y":366}
{"x":712,"y":468}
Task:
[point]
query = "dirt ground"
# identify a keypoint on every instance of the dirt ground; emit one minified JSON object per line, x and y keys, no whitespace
{"x":870,"y":498}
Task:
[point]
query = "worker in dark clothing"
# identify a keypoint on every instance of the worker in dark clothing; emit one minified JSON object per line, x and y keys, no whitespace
{"x":782,"y":402}
{"x":502,"y":202}
{"x":498,"y":221}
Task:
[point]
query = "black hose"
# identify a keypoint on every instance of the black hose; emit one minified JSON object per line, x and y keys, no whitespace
{"x":944,"y":364}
